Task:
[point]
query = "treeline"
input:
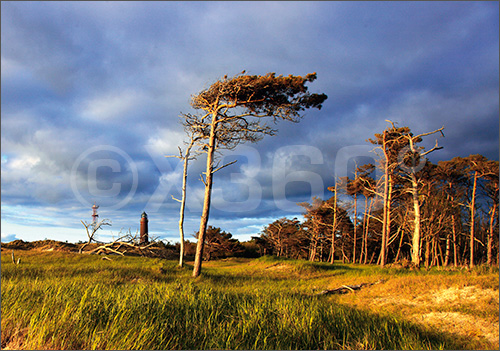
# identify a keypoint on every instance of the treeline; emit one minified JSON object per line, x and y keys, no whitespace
{"x":431,"y":214}
{"x":220,"y":244}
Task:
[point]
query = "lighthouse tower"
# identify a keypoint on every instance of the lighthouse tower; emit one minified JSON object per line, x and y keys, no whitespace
{"x":95,"y":216}
{"x":144,"y":229}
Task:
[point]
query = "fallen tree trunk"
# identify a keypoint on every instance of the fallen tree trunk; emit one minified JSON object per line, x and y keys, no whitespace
{"x":344,"y":289}
{"x":106,"y":247}
{"x":122,"y":245}
{"x":116,"y":247}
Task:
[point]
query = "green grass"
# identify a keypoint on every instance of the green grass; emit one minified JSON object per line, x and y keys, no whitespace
{"x":70,"y":301}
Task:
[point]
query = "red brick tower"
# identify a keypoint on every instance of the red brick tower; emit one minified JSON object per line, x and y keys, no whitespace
{"x":144,"y":229}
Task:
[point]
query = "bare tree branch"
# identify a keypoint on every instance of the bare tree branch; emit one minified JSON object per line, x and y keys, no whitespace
{"x":175,"y":199}
{"x":224,"y":166}
{"x":95,"y":228}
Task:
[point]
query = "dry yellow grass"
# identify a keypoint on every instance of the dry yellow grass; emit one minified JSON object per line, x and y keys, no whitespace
{"x":460,"y":303}
{"x":444,"y":303}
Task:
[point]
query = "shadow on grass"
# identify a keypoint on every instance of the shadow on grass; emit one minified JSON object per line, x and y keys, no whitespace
{"x":303,"y":265}
{"x":269,"y":268}
{"x":400,"y":328}
{"x":291,"y":321}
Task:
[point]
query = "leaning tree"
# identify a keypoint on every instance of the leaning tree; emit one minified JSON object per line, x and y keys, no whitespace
{"x":232,"y":112}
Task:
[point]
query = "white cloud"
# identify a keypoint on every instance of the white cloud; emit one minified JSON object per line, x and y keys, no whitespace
{"x":23,"y":164}
{"x":114,"y":105}
{"x":165,"y":142}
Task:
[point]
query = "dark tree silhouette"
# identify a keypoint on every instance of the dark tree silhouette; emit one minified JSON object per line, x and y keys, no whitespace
{"x":218,"y":244}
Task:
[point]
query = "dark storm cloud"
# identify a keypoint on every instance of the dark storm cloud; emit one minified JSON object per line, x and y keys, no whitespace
{"x":81,"y":75}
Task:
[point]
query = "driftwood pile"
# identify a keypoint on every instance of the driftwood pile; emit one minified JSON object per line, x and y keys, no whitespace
{"x":125,"y":244}
{"x":344,"y":289}
{"x":124,"y":247}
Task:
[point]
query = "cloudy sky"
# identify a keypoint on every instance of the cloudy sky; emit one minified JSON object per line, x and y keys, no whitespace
{"x":92,"y":92}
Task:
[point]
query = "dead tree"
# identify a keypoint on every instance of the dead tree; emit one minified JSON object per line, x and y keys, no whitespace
{"x":194,"y":136}
{"x":411,"y":162}
{"x":396,"y":143}
{"x":94,"y":227}
{"x":125,"y":244}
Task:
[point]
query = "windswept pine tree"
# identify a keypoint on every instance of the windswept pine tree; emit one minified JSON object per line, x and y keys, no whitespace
{"x":232,"y":112}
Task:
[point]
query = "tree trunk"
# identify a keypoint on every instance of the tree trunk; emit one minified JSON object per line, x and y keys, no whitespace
{"x":183,"y":206}
{"x":440,"y":254}
{"x":385,"y":216}
{"x":185,"y":159}
{"x":400,"y":244}
{"x":490,"y":235}
{"x":206,"y":203}
{"x":415,"y":249}
{"x":472,"y":221}
{"x":355,"y":227}
{"x":363,"y":247}
{"x":389,"y":218}
{"x":334,"y":226}
{"x":371,"y":258}
{"x":314,"y":247}
{"x":344,"y":257}
{"x":455,"y":247}
{"x":427,"y":252}
{"x":367,"y":229}
{"x":386,"y":195}
{"x":447,"y":252}
{"x":435,"y":258}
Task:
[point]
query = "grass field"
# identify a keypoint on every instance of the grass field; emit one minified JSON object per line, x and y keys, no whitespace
{"x":60,"y":300}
